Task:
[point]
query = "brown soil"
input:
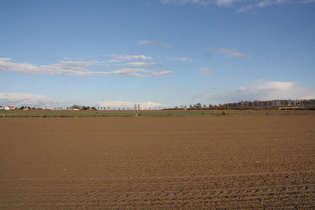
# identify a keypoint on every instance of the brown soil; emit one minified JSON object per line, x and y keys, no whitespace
{"x":242,"y":162}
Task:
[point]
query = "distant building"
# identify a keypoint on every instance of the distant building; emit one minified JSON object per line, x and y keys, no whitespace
{"x":9,"y":107}
{"x":1,"y":107}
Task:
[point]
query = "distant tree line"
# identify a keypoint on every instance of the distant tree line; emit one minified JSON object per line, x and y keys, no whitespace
{"x":26,"y":107}
{"x":77,"y":107}
{"x":242,"y":105}
{"x":273,"y":103}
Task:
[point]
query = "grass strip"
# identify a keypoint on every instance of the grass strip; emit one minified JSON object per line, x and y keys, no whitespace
{"x":115,"y":114}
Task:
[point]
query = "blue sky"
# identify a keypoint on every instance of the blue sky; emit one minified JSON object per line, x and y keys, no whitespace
{"x":155,"y":53}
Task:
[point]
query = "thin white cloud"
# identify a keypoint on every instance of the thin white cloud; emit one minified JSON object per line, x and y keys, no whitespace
{"x":228,"y":52}
{"x":131,"y":57}
{"x":263,"y":90}
{"x":77,"y":68}
{"x":114,"y":61}
{"x":141,"y":64}
{"x":242,"y":5}
{"x":43,"y":101}
{"x":62,"y":67}
{"x":136,"y":73}
{"x":205,"y":71}
{"x":262,"y":4}
{"x":122,"y":58}
{"x":128,"y":104}
{"x":32,"y":100}
{"x":149,"y":42}
{"x":183,"y":2}
{"x":179,"y":59}
{"x":225,"y":3}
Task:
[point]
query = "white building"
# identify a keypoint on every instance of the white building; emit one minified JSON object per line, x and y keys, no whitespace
{"x":9,"y":107}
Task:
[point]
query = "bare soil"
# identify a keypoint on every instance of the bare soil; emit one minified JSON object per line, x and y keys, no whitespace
{"x":242,"y":162}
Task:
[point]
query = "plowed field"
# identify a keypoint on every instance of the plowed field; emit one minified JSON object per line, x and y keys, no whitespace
{"x":158,"y":162}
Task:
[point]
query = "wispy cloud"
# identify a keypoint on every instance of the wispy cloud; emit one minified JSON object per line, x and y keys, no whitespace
{"x":128,"y":104}
{"x":141,"y":64}
{"x":121,"y":58}
{"x":182,"y":2}
{"x":131,"y":72}
{"x":43,"y":101}
{"x":205,"y":71}
{"x":62,"y":67}
{"x":263,"y":90}
{"x":32,"y":100}
{"x":242,"y":5}
{"x":228,"y":52}
{"x":148,"y":42}
{"x":226,"y":3}
{"x":262,"y":4}
{"x":77,"y":68}
{"x":179,"y":59}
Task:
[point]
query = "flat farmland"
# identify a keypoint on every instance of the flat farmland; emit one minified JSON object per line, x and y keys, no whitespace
{"x":187,"y":162}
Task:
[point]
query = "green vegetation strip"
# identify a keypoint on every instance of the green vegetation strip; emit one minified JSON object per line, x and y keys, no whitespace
{"x":66,"y":115}
{"x":161,"y":114}
{"x":113,"y":114}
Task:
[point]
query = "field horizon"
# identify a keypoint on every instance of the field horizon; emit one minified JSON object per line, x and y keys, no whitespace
{"x":148,"y":113}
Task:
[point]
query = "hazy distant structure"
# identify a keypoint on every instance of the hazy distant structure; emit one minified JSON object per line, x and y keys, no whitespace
{"x":137,"y":110}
